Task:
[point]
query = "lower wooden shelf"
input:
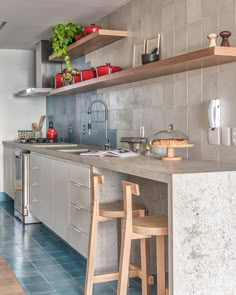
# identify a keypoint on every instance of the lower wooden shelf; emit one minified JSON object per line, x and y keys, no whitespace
{"x":202,"y":58}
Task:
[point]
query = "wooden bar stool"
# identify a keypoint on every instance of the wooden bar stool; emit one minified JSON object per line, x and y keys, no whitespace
{"x":141,"y":228}
{"x":101,"y":213}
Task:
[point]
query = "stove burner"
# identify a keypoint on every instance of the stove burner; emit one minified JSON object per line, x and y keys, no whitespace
{"x":38,"y":140}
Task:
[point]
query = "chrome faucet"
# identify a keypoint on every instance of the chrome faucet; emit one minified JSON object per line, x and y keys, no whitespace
{"x":107,"y":142}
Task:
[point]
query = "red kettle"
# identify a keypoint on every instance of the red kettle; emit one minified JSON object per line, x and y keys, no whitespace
{"x":51,"y":132}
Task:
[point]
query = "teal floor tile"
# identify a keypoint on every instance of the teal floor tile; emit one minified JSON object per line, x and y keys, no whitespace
{"x":43,"y":263}
{"x":38,"y":287}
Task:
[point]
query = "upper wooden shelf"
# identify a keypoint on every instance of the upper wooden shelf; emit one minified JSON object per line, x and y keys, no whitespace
{"x":91,"y":43}
{"x":185,"y":62}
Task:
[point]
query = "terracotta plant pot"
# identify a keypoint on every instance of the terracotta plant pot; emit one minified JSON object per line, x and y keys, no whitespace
{"x":107,"y":69}
{"x":91,"y":28}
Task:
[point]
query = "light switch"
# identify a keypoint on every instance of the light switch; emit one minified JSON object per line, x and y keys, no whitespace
{"x":234,"y":136}
{"x":214,"y":136}
{"x":226,"y":135}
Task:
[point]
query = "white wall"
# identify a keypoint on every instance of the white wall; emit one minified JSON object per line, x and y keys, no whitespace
{"x":17,"y":72}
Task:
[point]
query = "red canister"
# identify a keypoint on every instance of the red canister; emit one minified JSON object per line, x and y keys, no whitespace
{"x":91,"y":28}
{"x":107,"y":69}
{"x":88,"y":74}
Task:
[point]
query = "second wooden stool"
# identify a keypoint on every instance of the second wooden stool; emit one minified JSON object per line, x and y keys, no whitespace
{"x":101,"y":213}
{"x":141,"y":228}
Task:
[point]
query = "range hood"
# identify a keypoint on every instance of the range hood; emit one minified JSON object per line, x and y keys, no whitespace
{"x":45,"y":72}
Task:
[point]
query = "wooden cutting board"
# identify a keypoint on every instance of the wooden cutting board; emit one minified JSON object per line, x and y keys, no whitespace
{"x":8,"y":282}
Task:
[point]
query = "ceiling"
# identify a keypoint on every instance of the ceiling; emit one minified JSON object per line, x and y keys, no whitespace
{"x":29,"y":21}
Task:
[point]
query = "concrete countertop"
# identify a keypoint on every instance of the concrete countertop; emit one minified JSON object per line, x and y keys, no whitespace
{"x":148,"y":167}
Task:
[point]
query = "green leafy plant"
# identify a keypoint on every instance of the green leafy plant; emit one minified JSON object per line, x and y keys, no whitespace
{"x":63,"y":35}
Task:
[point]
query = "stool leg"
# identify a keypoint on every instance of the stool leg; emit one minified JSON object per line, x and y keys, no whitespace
{"x":91,"y":256}
{"x":122,"y":223}
{"x":160,"y":253}
{"x":145,"y":264}
{"x":124,"y":260}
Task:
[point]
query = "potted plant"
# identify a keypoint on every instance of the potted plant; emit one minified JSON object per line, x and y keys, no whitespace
{"x":63,"y":35}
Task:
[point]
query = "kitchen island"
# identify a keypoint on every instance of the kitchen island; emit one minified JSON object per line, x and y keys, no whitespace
{"x":200,"y":201}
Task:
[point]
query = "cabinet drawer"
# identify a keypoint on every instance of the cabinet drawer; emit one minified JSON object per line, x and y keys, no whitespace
{"x":79,"y":240}
{"x":80,"y":195}
{"x":34,"y":208}
{"x":35,"y":162}
{"x":80,"y":175}
{"x":34,"y":192}
{"x":80,"y":218}
{"x":35,"y":176}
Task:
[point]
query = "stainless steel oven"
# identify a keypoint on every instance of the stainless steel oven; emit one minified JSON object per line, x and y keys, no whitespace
{"x":22,"y":191}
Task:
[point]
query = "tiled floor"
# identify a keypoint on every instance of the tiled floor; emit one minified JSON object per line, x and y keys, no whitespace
{"x":43,"y":263}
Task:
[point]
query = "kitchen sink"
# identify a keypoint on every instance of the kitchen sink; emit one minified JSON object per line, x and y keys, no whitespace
{"x":77,"y":151}
{"x":55,"y":145}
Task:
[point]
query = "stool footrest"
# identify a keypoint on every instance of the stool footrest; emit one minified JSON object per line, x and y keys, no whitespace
{"x":133,"y":266}
{"x":113,"y":276}
{"x":134,"y":272}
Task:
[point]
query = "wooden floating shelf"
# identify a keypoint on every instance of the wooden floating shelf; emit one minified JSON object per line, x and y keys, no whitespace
{"x":203,"y":58}
{"x":91,"y":43}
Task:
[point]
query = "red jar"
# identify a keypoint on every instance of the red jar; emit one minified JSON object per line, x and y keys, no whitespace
{"x":76,"y":79}
{"x":59,"y":80}
{"x":79,"y":36}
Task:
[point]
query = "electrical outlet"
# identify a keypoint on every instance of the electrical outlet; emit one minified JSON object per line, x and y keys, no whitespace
{"x":234,"y":136}
{"x":83,"y":129}
{"x":214,"y":136}
{"x":226,"y":135}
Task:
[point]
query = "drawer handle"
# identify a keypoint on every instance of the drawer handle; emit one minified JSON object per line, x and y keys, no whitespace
{"x":35,"y":168}
{"x":76,"y":229}
{"x":35,"y":201}
{"x":35,"y":184}
{"x":75,"y":184}
{"x":77,"y":207}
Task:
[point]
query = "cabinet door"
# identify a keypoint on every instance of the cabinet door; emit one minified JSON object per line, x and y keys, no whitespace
{"x":61,"y":200}
{"x":9,"y":172}
{"x":46,"y":190}
{"x":35,"y":185}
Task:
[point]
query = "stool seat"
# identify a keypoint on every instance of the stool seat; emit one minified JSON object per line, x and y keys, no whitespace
{"x":116,"y":209}
{"x":151,"y":225}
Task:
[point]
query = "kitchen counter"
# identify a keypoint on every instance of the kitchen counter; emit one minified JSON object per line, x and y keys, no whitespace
{"x":148,"y":167}
{"x":201,"y":213}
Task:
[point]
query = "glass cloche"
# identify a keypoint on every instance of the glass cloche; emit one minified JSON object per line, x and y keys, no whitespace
{"x":170,"y":139}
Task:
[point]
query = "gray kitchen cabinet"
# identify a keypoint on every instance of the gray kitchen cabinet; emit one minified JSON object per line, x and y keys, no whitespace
{"x":9,"y":171}
{"x":35,"y":184}
{"x":46,"y":191}
{"x":60,"y":209}
{"x":80,"y":207}
{"x":41,"y":179}
{"x":60,"y":197}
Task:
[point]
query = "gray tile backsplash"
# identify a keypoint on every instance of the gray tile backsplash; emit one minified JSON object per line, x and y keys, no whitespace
{"x":181,"y":99}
